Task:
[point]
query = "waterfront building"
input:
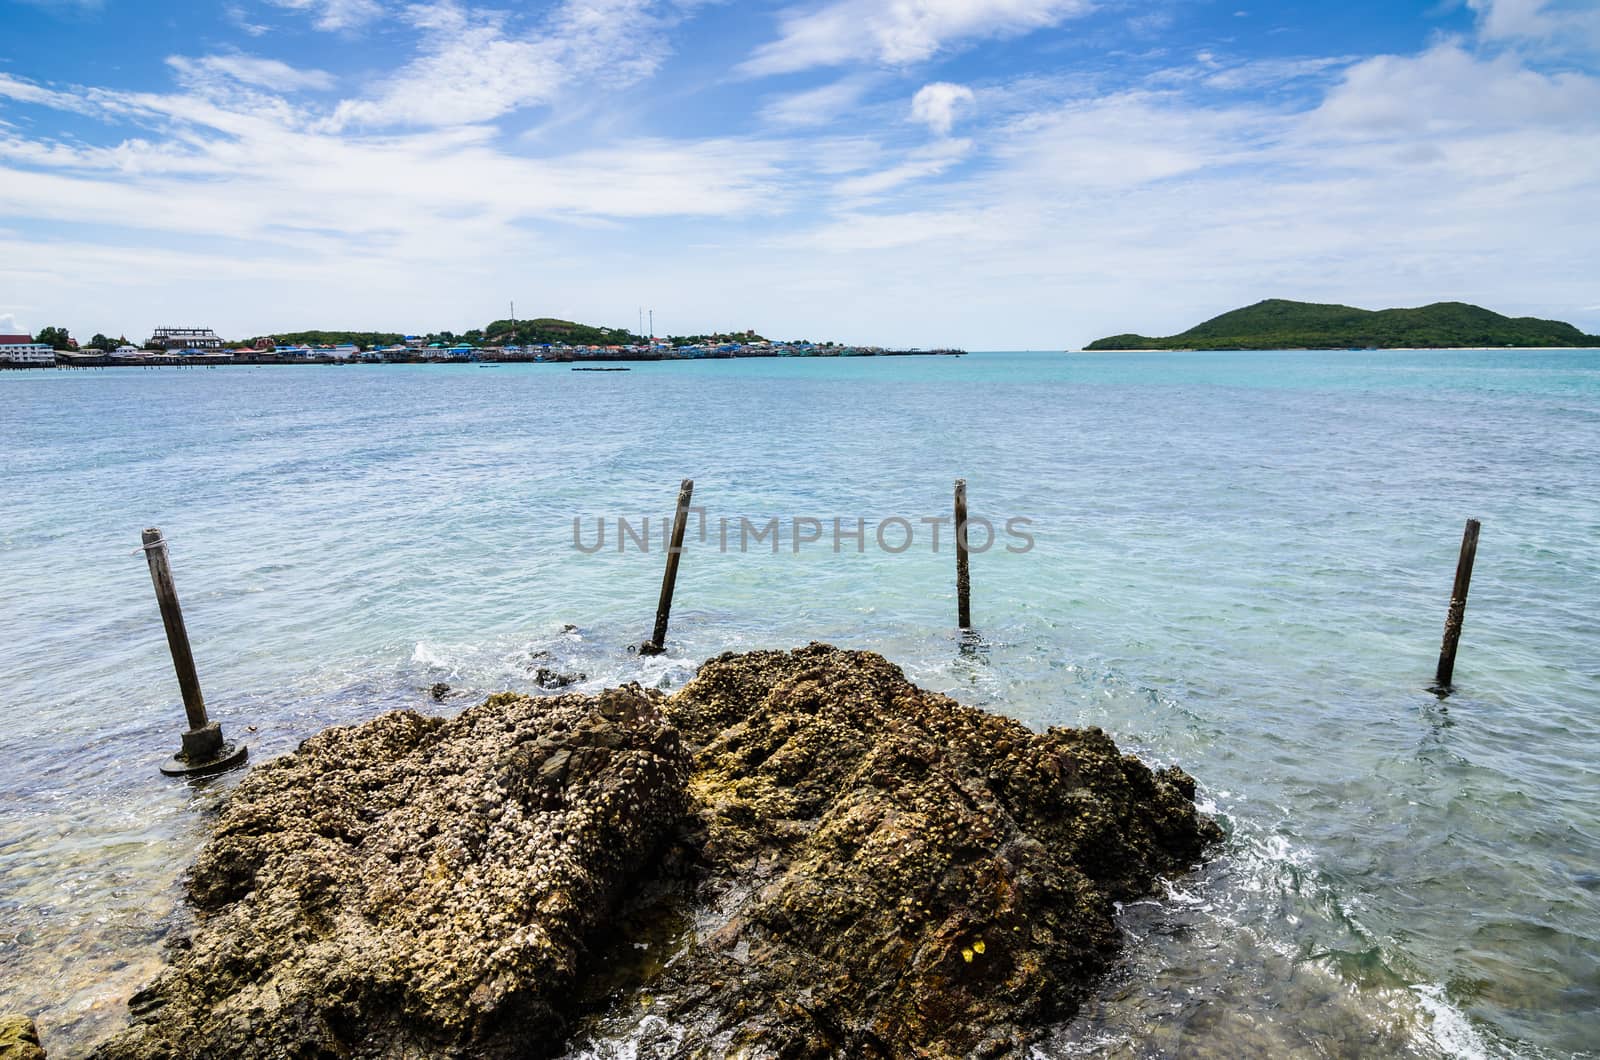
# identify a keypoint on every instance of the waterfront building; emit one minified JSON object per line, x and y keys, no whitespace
{"x":20,"y":351}
{"x":185,"y":339}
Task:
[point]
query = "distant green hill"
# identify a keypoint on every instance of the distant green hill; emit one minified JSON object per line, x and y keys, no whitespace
{"x":550,"y":331}
{"x":526,"y":332}
{"x":333,"y":338}
{"x":1278,"y":324}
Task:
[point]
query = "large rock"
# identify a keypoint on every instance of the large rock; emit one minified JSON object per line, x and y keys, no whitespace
{"x":415,"y":886}
{"x":19,"y":1039}
{"x":830,"y":862}
{"x":891,"y":873}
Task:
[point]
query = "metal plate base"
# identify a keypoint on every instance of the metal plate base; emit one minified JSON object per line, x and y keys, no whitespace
{"x":232,"y":756}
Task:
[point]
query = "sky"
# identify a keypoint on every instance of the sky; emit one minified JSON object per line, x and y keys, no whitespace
{"x":990,"y":174}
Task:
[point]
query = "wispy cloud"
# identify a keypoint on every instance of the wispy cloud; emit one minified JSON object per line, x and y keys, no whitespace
{"x":1448,"y":90}
{"x":253,"y":70}
{"x":919,"y":164}
{"x":1558,"y":25}
{"x":67,"y":6}
{"x":1251,"y":75}
{"x":897,"y":31}
{"x":476,"y":66}
{"x":241,"y":18}
{"x":336,"y":14}
{"x":816,"y":106}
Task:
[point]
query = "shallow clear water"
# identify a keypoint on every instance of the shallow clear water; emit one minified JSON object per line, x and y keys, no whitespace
{"x":1242,"y":563}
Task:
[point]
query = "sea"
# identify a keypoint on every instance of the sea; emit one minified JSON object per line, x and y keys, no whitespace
{"x":1236,"y":562}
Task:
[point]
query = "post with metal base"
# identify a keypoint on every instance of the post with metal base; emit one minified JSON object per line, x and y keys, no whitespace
{"x":963,"y":575}
{"x":204,"y":750}
{"x":658,"y":638}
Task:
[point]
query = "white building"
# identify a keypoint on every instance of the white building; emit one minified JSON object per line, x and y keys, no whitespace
{"x":20,"y":351}
{"x":185,"y":339}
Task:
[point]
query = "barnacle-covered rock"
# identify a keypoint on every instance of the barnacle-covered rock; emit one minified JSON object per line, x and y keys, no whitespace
{"x":416,"y":886}
{"x":798,"y":855}
{"x":890,"y":873}
{"x":19,"y":1039}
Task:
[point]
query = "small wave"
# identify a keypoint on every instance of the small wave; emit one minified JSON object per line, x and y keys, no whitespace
{"x":1447,"y":1028}
{"x":432,"y":656}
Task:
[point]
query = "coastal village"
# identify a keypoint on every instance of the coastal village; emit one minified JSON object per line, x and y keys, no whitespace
{"x":52,"y":348}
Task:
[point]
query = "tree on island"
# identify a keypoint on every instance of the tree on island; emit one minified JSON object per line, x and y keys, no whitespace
{"x":718,"y":338}
{"x":102,"y":343}
{"x":548,"y":331}
{"x":55,"y":338}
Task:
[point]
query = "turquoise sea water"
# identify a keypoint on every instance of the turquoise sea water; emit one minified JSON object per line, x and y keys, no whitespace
{"x":1242,"y":563}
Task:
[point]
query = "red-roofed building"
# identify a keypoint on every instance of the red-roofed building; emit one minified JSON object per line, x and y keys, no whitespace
{"x":20,"y":351}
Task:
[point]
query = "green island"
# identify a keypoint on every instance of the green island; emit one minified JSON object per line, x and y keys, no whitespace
{"x":545,"y":331}
{"x":1280,"y":324}
{"x":540,"y":332}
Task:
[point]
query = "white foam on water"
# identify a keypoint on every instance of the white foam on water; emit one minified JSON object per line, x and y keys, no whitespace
{"x":434,"y":656}
{"x":1447,"y":1028}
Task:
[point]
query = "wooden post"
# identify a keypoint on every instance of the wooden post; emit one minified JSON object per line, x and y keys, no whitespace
{"x":963,"y":576}
{"x":204,"y":750}
{"x":155,"y":551}
{"x":658,"y":640}
{"x":1458,"y":607}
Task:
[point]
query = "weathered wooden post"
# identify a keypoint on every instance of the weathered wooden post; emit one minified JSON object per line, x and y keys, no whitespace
{"x":204,"y":750}
{"x":658,"y":640}
{"x":963,"y":576}
{"x":1458,"y":607}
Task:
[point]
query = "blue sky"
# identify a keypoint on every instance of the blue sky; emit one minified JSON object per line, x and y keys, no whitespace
{"x":989,"y":173}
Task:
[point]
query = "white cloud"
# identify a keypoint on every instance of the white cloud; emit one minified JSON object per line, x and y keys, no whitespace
{"x":1110,"y":143}
{"x":935,"y":105}
{"x":29,"y":92}
{"x":1511,"y":18}
{"x":252,"y":70}
{"x":1446,"y":89}
{"x":474,"y":67}
{"x":336,"y":14}
{"x":241,"y":18}
{"x":930,"y":161}
{"x":856,"y":231}
{"x":898,"y":32}
{"x":9,"y":325}
{"x":1270,"y":73}
{"x":1573,"y":24}
{"x":816,"y":106}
